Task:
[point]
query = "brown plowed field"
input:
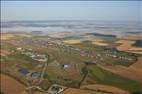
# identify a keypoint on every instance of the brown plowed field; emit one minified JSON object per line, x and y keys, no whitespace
{"x":10,"y":85}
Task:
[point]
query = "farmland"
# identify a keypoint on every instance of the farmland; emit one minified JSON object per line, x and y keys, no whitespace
{"x":40,"y":62}
{"x":7,"y":85}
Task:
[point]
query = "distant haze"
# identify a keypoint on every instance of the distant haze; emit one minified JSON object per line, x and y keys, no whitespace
{"x":71,"y":10}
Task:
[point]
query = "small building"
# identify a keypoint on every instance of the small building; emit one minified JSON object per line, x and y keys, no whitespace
{"x":66,"y":66}
{"x":55,"y":90}
{"x":20,"y":49}
{"x":38,"y":57}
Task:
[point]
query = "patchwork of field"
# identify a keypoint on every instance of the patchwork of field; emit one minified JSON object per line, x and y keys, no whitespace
{"x":84,"y":66}
{"x":133,"y":72}
{"x":10,"y":85}
{"x":127,"y":45}
{"x":108,"y":78}
{"x":94,"y":40}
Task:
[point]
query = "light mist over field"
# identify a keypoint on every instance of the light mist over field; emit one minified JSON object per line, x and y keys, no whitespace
{"x":112,"y":17}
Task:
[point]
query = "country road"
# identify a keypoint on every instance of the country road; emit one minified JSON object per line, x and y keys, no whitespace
{"x":29,"y":87}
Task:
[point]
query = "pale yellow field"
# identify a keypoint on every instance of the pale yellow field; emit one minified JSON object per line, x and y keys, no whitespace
{"x":126,"y":45}
{"x":94,"y":41}
{"x":99,"y":43}
{"x":6,"y":36}
{"x":72,"y":41}
{"x":135,"y":49}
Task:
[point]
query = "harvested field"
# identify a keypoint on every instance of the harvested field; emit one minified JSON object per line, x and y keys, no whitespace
{"x":135,"y":49}
{"x":72,"y":41}
{"x":105,"y":88}
{"x":133,"y":72}
{"x":10,"y":85}
{"x":136,"y":52}
{"x":100,"y":43}
{"x":125,"y":45}
{"x":6,"y":36}
{"x":4,"y":52}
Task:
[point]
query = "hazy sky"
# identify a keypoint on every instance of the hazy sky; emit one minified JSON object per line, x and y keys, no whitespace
{"x":77,"y":10}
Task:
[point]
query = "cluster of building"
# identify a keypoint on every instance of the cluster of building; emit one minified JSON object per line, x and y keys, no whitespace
{"x":98,"y":55}
{"x":117,"y":55}
{"x":33,"y":55}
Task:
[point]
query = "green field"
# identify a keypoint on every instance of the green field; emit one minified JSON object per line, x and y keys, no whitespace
{"x":56,"y":75}
{"x":106,"y":38}
{"x":108,"y":78}
{"x":138,"y":43}
{"x":21,"y":60}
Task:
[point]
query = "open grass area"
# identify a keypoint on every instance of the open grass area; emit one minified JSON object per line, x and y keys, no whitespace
{"x":55,"y":72}
{"x":107,"y":38}
{"x":20,"y":59}
{"x":138,"y":43}
{"x":108,"y":78}
{"x":87,"y":45}
{"x":45,"y":84}
{"x":58,"y":79}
